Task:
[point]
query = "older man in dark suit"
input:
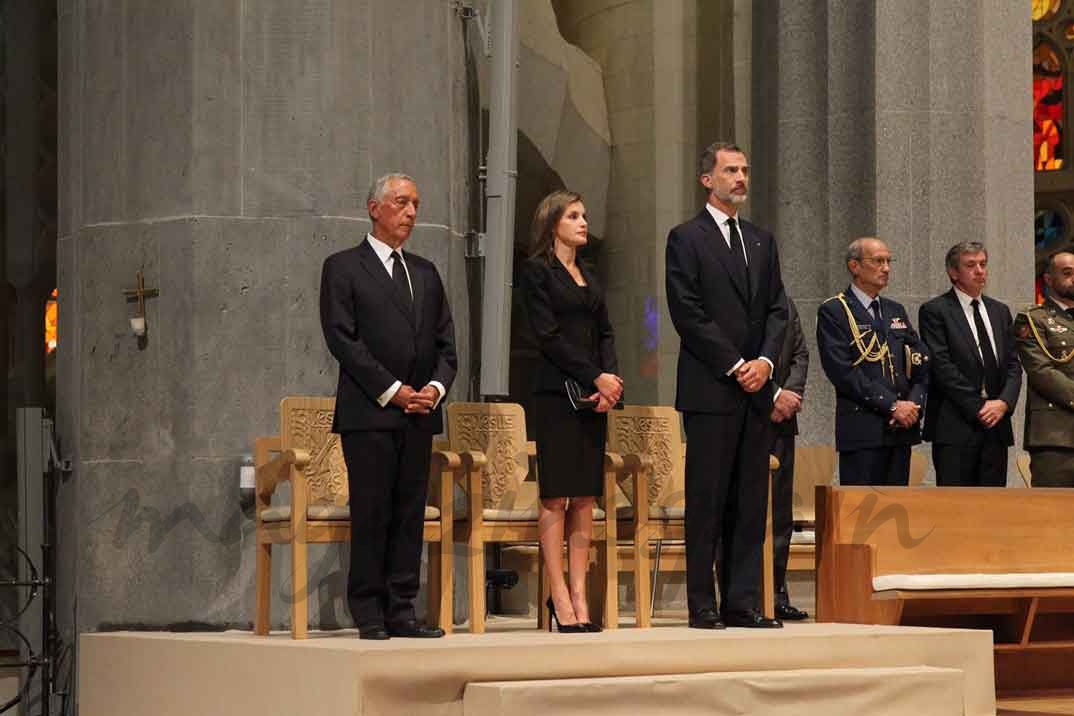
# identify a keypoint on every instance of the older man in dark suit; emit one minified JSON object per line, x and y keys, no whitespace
{"x":975,"y":375}
{"x":725,"y":294}
{"x":792,"y":368}
{"x":386,"y":320}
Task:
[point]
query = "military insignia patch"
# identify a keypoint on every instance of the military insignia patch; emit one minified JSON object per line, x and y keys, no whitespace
{"x":1021,"y":330}
{"x":916,"y":358}
{"x":897,"y":323}
{"x":1057,"y":328}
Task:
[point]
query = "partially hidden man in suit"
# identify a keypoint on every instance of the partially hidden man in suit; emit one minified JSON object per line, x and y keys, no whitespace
{"x":726,"y":298}
{"x":386,"y":320}
{"x":974,"y":375}
{"x":792,"y":368}
{"x":879,"y":367}
{"x":1045,"y":339}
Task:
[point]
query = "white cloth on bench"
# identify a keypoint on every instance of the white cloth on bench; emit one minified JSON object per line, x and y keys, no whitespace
{"x":1010,"y":580}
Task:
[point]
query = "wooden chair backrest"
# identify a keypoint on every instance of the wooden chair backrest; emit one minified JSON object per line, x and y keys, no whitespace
{"x":499,"y":431}
{"x":653,"y":430}
{"x":1023,"y":469}
{"x":813,"y":465}
{"x":944,"y":530}
{"x":306,"y":424}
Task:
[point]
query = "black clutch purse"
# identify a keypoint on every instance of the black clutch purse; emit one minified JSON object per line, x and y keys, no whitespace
{"x":580,"y":398}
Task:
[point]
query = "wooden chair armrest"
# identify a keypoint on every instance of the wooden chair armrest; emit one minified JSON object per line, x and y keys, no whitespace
{"x":473,"y":463}
{"x":269,"y":475}
{"x":773,"y":463}
{"x":265,"y":446}
{"x":531,"y":448}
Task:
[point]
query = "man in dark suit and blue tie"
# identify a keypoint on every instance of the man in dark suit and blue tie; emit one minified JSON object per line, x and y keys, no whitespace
{"x":879,"y":367}
{"x":975,"y":375}
{"x":386,"y":319}
{"x":725,"y":294}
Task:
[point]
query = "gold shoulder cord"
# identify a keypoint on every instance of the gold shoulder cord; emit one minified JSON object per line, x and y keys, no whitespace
{"x":873,"y":351}
{"x":1065,"y":358}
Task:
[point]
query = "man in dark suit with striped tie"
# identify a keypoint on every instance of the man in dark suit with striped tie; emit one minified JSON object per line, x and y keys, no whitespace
{"x":975,"y":375}
{"x":386,"y":319}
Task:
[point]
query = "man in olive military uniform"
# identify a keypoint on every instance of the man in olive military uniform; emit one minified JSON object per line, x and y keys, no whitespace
{"x":879,"y":367}
{"x":1045,"y":337}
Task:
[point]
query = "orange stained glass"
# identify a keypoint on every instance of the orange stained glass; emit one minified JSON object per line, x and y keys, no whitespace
{"x":50,"y":321}
{"x":1068,"y":30}
{"x":1045,"y":9}
{"x":1049,"y":120}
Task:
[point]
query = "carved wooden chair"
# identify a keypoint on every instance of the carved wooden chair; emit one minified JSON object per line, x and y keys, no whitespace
{"x":502,"y":508}
{"x":310,"y":457}
{"x":656,"y":488}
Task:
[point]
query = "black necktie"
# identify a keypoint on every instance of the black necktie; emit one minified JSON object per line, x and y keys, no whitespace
{"x":874,"y":308}
{"x":988,"y":356}
{"x":738,"y":250}
{"x":399,"y":277}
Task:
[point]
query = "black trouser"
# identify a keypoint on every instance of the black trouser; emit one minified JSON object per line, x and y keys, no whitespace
{"x":883,"y":466}
{"x":980,"y":465}
{"x":388,"y":477}
{"x":782,"y":512}
{"x":726,"y":505}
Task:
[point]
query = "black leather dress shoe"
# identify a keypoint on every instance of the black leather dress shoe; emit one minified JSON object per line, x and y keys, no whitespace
{"x":706,"y":619}
{"x":373,"y":631}
{"x":414,"y":629}
{"x":790,"y":614}
{"x":751,"y":619}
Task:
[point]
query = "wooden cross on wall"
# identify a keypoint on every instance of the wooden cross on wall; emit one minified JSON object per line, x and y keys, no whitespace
{"x":141,"y":293}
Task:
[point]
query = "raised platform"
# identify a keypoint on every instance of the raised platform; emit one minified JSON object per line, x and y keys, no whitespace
{"x":803,"y":665}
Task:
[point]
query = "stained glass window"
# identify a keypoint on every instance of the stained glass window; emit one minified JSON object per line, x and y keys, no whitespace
{"x":50,"y":322}
{"x":1045,"y":9}
{"x":1050,"y":234}
{"x":1048,"y":114}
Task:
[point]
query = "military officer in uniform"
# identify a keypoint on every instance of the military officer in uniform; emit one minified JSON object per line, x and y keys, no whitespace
{"x":879,"y":367}
{"x":1045,"y":338}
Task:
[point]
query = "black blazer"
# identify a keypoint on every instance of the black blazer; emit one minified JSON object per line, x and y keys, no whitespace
{"x":378,"y":339}
{"x":792,"y":367}
{"x":957,"y":371}
{"x":865,"y":393}
{"x":718,"y":323}
{"x":570,"y":323}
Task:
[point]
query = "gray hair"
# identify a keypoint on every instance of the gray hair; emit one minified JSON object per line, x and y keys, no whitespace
{"x":379,"y":187}
{"x":963,"y":247}
{"x":708,"y":157}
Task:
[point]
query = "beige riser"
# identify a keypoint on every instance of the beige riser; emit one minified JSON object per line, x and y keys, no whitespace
{"x":908,"y":691}
{"x":9,"y":687}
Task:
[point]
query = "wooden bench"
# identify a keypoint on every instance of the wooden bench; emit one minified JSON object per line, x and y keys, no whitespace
{"x":985,"y":558}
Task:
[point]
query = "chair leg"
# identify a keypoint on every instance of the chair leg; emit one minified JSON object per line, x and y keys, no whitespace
{"x":611,"y":584}
{"x":544,"y":591}
{"x":596,"y":585}
{"x":433,"y":585}
{"x":642,"y":597}
{"x":656,"y":573}
{"x":446,"y":577}
{"x":300,"y":589}
{"x":476,"y":559}
{"x":263,"y":589}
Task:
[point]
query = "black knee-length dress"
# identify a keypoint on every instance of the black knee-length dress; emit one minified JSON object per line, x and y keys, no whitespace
{"x":575,"y":338}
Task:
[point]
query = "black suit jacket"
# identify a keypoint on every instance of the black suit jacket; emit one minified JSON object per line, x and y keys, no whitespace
{"x":570,"y":323}
{"x":717,"y":321}
{"x":378,"y":339}
{"x":792,"y":367}
{"x":865,"y":393}
{"x":957,"y":371}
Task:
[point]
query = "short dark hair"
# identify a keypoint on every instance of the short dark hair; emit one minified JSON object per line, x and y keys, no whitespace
{"x":1049,"y":267}
{"x":963,"y":247}
{"x":708,"y":157}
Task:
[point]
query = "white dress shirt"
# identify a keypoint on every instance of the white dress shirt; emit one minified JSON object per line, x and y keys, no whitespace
{"x":384,"y":253}
{"x":867,"y":301}
{"x":967,"y":310}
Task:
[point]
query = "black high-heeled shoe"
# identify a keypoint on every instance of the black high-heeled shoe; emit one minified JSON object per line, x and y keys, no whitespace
{"x":562,"y":628}
{"x":591,"y":627}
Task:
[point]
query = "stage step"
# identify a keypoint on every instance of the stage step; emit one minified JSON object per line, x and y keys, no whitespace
{"x":9,"y":687}
{"x":897,"y":691}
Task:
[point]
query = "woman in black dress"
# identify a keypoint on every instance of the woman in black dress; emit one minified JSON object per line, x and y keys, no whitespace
{"x":570,"y":321}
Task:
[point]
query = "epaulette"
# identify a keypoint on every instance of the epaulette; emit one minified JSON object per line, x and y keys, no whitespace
{"x":1032,"y":307}
{"x":833,"y":298}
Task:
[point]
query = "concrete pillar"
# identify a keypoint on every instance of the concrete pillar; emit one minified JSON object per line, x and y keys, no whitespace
{"x":224,"y":148}
{"x":901,"y":119}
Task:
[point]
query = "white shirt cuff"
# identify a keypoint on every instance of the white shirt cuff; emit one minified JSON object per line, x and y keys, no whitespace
{"x":771,"y":365}
{"x":387,"y":395}
{"x":776,"y":395}
{"x":735,"y":367}
{"x":439,"y":389}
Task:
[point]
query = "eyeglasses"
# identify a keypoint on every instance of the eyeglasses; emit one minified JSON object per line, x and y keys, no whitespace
{"x":878,"y":261}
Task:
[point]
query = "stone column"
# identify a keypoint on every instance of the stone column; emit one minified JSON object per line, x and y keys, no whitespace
{"x":224,"y":148}
{"x":905,"y":120}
